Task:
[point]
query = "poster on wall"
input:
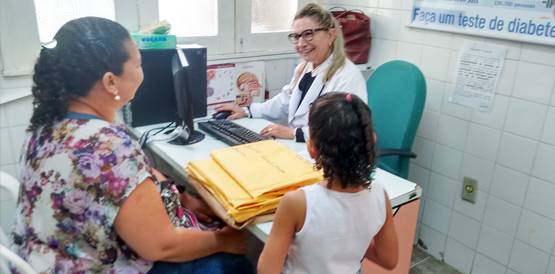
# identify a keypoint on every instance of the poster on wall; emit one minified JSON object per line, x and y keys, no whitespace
{"x":477,"y":74}
{"x":220,"y":84}
{"x":249,"y":83}
{"x":531,"y":21}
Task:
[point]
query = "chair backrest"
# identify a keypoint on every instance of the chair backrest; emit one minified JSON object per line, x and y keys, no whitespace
{"x":17,"y":261}
{"x":4,"y":241}
{"x":9,"y":192}
{"x":396,"y":96}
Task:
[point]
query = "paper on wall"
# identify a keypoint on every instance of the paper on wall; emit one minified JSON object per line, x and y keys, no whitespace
{"x":220,"y":84}
{"x":249,"y":83}
{"x":477,"y":74}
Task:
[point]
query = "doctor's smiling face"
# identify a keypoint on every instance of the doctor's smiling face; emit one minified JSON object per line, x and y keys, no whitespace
{"x":313,"y":47}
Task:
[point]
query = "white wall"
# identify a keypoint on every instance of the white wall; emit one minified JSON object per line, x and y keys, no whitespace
{"x":511,"y":150}
{"x":14,"y":118}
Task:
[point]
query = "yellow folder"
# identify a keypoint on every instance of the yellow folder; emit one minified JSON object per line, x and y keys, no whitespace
{"x":249,"y":180}
{"x":220,"y":181}
{"x":266,"y":166}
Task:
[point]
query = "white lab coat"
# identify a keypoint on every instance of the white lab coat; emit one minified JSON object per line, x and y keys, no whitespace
{"x":348,"y":79}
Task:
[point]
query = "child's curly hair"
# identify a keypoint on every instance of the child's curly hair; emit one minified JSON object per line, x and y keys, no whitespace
{"x":343,"y":135}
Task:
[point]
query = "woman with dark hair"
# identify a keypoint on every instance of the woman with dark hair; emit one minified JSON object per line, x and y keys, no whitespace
{"x":330,"y":226}
{"x":89,"y":200}
{"x":325,"y":68}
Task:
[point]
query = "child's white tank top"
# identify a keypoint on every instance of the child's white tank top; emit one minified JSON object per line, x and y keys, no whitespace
{"x":337,"y":230}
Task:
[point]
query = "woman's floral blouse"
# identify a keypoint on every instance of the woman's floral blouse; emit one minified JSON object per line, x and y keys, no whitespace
{"x":74,"y":180}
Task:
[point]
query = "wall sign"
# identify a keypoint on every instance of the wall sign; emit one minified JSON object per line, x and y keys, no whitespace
{"x":521,"y":20}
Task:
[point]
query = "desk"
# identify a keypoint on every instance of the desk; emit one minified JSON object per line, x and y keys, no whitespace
{"x":401,"y":192}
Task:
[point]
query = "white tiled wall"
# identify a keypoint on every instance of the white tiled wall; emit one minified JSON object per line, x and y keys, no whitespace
{"x":459,"y":255}
{"x":527,"y":259}
{"x":508,"y":185}
{"x":442,"y":189}
{"x":14,"y":117}
{"x":494,"y":244}
{"x":510,"y":150}
{"x":548,"y":135}
{"x":464,"y":230}
{"x":536,"y":230}
{"x":502,"y":216}
{"x":485,"y":265}
{"x":539,"y":198}
{"x":479,"y":169}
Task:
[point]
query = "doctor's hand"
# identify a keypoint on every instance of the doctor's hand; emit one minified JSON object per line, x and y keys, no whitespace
{"x":237,"y":112}
{"x":278,"y":131}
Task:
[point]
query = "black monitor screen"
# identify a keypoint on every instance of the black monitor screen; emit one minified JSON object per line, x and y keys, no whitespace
{"x":189,"y":79}
{"x":154,"y":101}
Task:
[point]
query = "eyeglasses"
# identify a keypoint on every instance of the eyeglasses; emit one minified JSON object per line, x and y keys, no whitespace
{"x":307,"y":35}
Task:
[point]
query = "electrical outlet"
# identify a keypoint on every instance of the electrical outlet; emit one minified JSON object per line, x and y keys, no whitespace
{"x":470,"y":189}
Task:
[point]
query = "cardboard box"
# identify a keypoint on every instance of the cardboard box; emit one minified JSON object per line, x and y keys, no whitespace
{"x":154,"y":41}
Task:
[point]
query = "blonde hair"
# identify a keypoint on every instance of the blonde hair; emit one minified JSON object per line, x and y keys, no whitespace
{"x":325,"y":19}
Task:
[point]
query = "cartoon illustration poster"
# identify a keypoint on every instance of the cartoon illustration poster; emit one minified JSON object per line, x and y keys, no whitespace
{"x":220,"y":81}
{"x":249,"y":83}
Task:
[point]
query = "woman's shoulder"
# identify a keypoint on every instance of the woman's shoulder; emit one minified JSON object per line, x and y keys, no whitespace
{"x":349,"y":73}
{"x":101,"y":128}
{"x":103,"y":134}
{"x":350,"y":66}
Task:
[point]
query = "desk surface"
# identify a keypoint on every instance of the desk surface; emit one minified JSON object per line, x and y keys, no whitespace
{"x":399,"y":190}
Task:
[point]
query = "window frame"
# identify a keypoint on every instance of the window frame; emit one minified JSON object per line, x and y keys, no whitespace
{"x":20,"y":46}
{"x":234,"y":29}
{"x":254,"y":42}
{"x":216,"y":45}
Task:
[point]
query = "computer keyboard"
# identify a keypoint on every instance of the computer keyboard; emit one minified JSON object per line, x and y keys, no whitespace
{"x":230,"y":132}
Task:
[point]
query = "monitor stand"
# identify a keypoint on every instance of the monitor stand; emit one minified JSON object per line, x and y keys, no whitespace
{"x":193,"y":139}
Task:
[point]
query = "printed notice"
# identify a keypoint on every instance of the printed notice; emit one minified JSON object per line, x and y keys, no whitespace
{"x":476,"y":75}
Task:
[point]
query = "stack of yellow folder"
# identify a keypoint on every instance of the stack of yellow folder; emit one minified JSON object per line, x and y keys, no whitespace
{"x":249,"y":180}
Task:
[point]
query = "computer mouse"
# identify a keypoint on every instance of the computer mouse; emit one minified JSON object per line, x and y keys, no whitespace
{"x":221,"y":115}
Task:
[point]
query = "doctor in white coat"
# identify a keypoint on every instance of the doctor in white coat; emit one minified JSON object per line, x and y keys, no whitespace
{"x":325,"y":68}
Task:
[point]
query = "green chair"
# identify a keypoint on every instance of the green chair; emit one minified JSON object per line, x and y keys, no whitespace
{"x":396,"y":96}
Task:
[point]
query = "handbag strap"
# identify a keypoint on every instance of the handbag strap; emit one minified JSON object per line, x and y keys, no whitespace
{"x":347,"y":11}
{"x":336,"y":7}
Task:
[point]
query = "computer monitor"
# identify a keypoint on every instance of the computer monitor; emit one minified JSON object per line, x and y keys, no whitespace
{"x":189,"y":79}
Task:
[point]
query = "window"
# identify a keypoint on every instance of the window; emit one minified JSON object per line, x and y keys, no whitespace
{"x":223,"y":26}
{"x":190,"y":18}
{"x":267,"y":26}
{"x":53,"y":14}
{"x":24,"y":24}
{"x":228,"y":27}
{"x":272,"y":16}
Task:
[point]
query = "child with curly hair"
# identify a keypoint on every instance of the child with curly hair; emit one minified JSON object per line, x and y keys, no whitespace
{"x":329,"y":227}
